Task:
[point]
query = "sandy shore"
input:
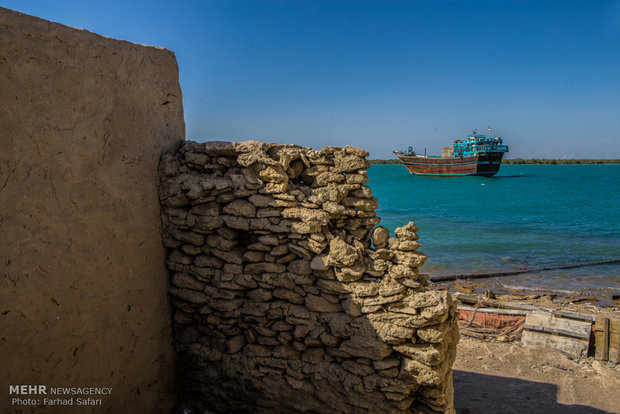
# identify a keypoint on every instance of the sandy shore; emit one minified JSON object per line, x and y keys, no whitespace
{"x":500,"y":377}
{"x":491,"y":376}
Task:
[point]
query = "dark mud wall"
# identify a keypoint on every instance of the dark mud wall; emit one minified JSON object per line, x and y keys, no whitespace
{"x":83,"y":122}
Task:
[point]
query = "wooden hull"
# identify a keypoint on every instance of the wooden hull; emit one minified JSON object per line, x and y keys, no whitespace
{"x":480,"y":164}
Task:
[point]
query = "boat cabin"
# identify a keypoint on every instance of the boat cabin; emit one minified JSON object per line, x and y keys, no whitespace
{"x":477,"y":144}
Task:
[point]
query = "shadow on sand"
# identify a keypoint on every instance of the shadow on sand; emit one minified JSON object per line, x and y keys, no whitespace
{"x":480,"y":394}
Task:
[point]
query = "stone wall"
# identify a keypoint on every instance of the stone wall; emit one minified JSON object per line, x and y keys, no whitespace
{"x":84,"y":120}
{"x":287,"y":296}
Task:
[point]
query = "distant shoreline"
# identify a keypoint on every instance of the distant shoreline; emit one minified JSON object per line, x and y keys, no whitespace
{"x":529,"y":161}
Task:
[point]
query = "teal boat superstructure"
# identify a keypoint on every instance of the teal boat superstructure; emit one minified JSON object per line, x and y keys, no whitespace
{"x":477,"y":144}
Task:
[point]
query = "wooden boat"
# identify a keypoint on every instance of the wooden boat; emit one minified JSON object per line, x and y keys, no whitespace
{"x":475,"y":155}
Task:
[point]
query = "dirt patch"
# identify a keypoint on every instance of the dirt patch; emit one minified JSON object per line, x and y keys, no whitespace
{"x":498,"y":377}
{"x":492,"y":376}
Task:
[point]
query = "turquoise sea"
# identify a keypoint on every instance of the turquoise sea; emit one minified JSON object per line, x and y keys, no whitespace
{"x":526,"y":215}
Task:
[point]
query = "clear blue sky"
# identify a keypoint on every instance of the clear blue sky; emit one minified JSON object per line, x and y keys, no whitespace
{"x":382,"y":75}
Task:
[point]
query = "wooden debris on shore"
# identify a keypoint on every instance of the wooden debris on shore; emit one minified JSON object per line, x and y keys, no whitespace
{"x":572,"y":333}
{"x":483,"y":323}
{"x":607,"y":339}
{"x":551,"y":330}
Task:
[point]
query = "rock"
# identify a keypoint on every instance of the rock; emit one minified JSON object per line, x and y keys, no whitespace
{"x":411,"y":259}
{"x":254,"y":256}
{"x":235,"y":344}
{"x":231,"y":256}
{"x":280,"y":250}
{"x":262,"y":200}
{"x":288,"y":295}
{"x":379,"y":235}
{"x":260,"y":295}
{"x":216,"y":148}
{"x":408,"y":232}
{"x":350,"y":307}
{"x":264,"y":267}
{"x":324,"y":178}
{"x":357,"y":369}
{"x":394,"y":334}
{"x":366,"y":344}
{"x":285,"y":352}
{"x":313,"y":355}
{"x":227,"y":233}
{"x":252,"y":350}
{"x":358,"y":152}
{"x":319,"y":262}
{"x":329,"y":340}
{"x":339,"y":325}
{"x":317,"y":303}
{"x":240,"y":208}
{"x":219,"y":242}
{"x":299,"y":251}
{"x":306,"y":214}
{"x":274,"y":174}
{"x":306,"y":227}
{"x":408,"y":245}
{"x":361,"y":203}
{"x":183,"y":280}
{"x":342,"y":254}
{"x":387,"y":363}
{"x":364,"y":288}
{"x":237,"y":222}
{"x":348,"y":163}
{"x":350,"y":274}
{"x":188,"y":295}
{"x":433,"y":333}
{"x":300,"y":267}
{"x":390,"y":287}
{"x":357,"y":179}
{"x":334,"y":208}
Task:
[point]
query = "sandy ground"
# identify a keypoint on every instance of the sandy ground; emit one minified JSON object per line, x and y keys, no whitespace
{"x":499,"y":377}
{"x":510,"y":377}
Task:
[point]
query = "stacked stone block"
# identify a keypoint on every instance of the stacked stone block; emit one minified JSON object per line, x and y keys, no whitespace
{"x":287,"y":296}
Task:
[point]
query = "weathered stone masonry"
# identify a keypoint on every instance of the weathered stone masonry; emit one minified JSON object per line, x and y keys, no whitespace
{"x":287,"y":297}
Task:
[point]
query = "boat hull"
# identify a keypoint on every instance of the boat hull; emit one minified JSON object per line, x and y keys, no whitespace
{"x":485,"y":165}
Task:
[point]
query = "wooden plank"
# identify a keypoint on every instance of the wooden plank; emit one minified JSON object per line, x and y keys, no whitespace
{"x":565,"y":335}
{"x":493,"y":310}
{"x":614,"y":340}
{"x":575,"y":315}
{"x":573,"y":347}
{"x":499,"y":303}
{"x":546,"y":322}
{"x":599,"y":339}
{"x":525,"y":307}
{"x":605,"y":343}
{"x":557,"y":331}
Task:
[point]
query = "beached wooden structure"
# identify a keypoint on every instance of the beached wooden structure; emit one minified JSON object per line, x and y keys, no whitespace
{"x":575,"y":334}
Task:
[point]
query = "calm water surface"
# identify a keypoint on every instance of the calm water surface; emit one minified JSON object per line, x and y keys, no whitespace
{"x":527,"y":215}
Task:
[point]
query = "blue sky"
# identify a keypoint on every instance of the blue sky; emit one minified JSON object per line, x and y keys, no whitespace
{"x":382,"y":75}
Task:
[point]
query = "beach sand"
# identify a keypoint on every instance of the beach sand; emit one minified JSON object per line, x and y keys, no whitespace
{"x":500,"y":377}
{"x":491,"y":376}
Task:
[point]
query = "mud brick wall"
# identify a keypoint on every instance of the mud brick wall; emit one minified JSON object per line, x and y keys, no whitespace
{"x":287,"y":296}
{"x":84,"y":120}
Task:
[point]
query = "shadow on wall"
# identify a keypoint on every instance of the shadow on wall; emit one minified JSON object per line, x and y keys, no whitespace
{"x":287,"y":297}
{"x":478,"y":393}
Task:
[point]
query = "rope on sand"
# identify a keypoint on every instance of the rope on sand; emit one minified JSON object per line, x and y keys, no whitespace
{"x":517,"y":272}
